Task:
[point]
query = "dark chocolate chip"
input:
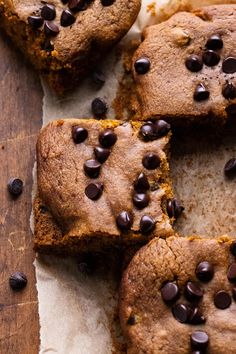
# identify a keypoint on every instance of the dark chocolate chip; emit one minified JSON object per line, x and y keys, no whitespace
{"x":47,"y":45}
{"x":142,"y":66}
{"x":67,"y":18}
{"x":99,"y":107}
{"x":229,"y":65}
{"x":204,"y":271}
{"x":231,"y":274}
{"x":79,"y":134}
{"x":131,"y":320}
{"x":193,"y":291}
{"x":18,"y":281}
{"x":201,"y":93}
{"x":170,"y":292}
{"x":141,"y":200}
{"x":107,"y":138}
{"x":92,"y":168}
{"x":211,"y":58}
{"x":141,"y":184}
{"x":229,"y":91}
{"x":174,"y":209}
{"x":230,"y":168}
{"x":194,"y":63}
{"x":98,"y":77}
{"x":15,"y":186}
{"x":94,"y":191}
{"x":199,"y":340}
{"x":234,"y":293}
{"x":107,"y":2}
{"x":147,"y":131}
{"x":147,"y":225}
{"x":77,"y":5}
{"x":48,"y":12}
{"x":233,"y":248}
{"x":124,"y":221}
{"x":35,"y":21}
{"x":50,"y":28}
{"x":151,"y":161}
{"x":196,"y":317}
{"x":162,"y":128}
{"x":222,"y":300}
{"x":181,"y":312}
{"x":101,"y":153}
{"x":215,"y":42}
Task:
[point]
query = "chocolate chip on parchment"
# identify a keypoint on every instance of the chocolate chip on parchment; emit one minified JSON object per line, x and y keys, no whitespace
{"x":92,"y":168}
{"x":94,"y":191}
{"x":98,"y":77}
{"x":222,"y":300}
{"x":170,"y":292}
{"x":15,"y":186}
{"x":194,"y":63}
{"x":124,"y":221}
{"x":204,"y":271}
{"x":79,"y":134}
{"x":142,"y":66}
{"x":18,"y":281}
{"x":107,"y":138}
{"x":99,"y":107}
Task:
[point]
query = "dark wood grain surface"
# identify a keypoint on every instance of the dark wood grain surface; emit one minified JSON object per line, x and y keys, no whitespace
{"x":20,"y":121}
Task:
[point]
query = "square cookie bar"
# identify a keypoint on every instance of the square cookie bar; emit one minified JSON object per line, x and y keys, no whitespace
{"x":102,"y":183}
{"x":184,"y":70}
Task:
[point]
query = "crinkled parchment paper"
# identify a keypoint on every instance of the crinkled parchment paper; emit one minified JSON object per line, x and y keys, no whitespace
{"x":76,"y":310}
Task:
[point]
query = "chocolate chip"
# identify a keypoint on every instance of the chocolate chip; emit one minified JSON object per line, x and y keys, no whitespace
{"x":210,"y":58}
{"x":231,"y":274}
{"x":162,"y":128}
{"x":141,"y":200}
{"x":92,"y":168}
{"x":124,"y":221}
{"x":151,"y":161}
{"x":101,"y":153}
{"x":229,"y":91}
{"x":15,"y":186}
{"x":170,"y":292}
{"x":79,"y":134}
{"x":174,"y":209}
{"x":131,"y":320}
{"x":233,"y":248}
{"x":107,"y":138}
{"x":48,"y":12}
{"x":199,"y":340}
{"x":215,"y":42}
{"x":196,"y":317}
{"x":43,"y":209}
{"x":77,"y":5}
{"x":222,"y":300}
{"x":98,"y":77}
{"x":181,"y":312}
{"x":47,"y":45}
{"x":18,"y":281}
{"x":141,"y":184}
{"x":204,"y":271}
{"x":229,"y":65}
{"x":35,"y":21}
{"x":234,"y":293}
{"x":142,"y":66}
{"x":50,"y":28}
{"x":230,"y":168}
{"x":147,"y":131}
{"x":94,"y":191}
{"x":201,"y":93}
{"x":147,"y":225}
{"x":99,"y":107}
{"x":67,"y":18}
{"x":193,"y":291}
{"x":194,"y":63}
{"x":107,"y":2}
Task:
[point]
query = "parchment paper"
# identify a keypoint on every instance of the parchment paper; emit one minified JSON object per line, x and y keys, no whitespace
{"x":77,"y":310}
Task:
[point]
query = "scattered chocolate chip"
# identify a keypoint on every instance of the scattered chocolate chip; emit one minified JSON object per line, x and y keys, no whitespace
{"x":99,"y":107}
{"x":210,"y":58}
{"x":170,"y":292}
{"x":47,"y":45}
{"x":162,"y":128}
{"x":141,"y":184}
{"x":107,"y":138}
{"x":233,"y":248}
{"x":174,"y":209}
{"x":79,"y":134}
{"x":18,"y":281}
{"x":230,"y":168}
{"x":181,"y":312}
{"x":215,"y":42}
{"x":151,"y":161}
{"x":67,"y":18}
{"x":229,"y":65}
{"x":94,"y":191}
{"x":222,"y":300}
{"x":50,"y":28}
{"x":92,"y":168}
{"x":98,"y":77}
{"x":141,"y":200}
{"x":201,"y":93}
{"x":147,"y":225}
{"x":193,"y":292}
{"x":107,"y":2}
{"x":194,"y":63}
{"x":131,"y":320}
{"x":142,"y":66}
{"x":231,"y":274}
{"x":234,"y":293}
{"x":229,"y":91}
{"x":124,"y":221}
{"x":35,"y":21}
{"x":147,"y":131}
{"x":204,"y":271}
{"x":15,"y":186}
{"x":77,"y":5}
{"x":199,"y":340}
{"x":101,"y":153}
{"x":48,"y":12}
{"x":196,"y":317}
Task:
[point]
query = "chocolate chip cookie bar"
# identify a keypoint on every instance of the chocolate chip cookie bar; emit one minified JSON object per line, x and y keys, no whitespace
{"x":64,"y":38}
{"x":184,"y":70}
{"x":102,"y":183}
{"x":179,"y":296}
